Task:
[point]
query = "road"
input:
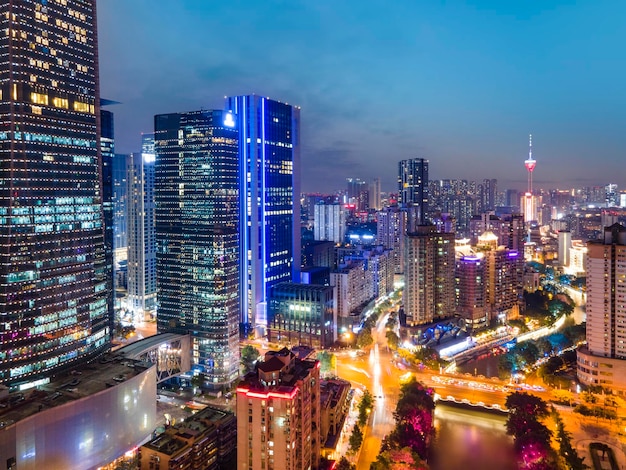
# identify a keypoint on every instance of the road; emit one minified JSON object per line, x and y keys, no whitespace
{"x":376,"y":372}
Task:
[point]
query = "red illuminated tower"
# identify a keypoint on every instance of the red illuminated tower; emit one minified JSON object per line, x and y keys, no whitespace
{"x":530,"y":164}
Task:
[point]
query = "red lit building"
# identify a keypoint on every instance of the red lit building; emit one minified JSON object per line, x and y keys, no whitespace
{"x":278,"y":414}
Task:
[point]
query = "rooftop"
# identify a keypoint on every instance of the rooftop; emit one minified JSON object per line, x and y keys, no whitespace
{"x":102,"y":373}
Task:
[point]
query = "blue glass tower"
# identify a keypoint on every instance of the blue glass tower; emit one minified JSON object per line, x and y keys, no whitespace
{"x":269,"y":172}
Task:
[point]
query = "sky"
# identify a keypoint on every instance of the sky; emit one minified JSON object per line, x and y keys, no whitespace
{"x":460,"y":83}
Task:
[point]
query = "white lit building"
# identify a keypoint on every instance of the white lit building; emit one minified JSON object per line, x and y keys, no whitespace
{"x":142,"y":282}
{"x":329,"y":222}
{"x":603,"y":360}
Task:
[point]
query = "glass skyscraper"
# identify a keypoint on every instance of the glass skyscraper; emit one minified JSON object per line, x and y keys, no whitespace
{"x":53,"y":281}
{"x":269,"y":159}
{"x":197,"y":231}
{"x":413,"y":188}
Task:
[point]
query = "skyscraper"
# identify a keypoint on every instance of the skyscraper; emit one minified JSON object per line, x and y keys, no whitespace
{"x":107,"y":148}
{"x":603,"y":360}
{"x":197,"y":231}
{"x":269,"y":158}
{"x":429,"y":290}
{"x":53,"y":286}
{"x":413,"y":188}
{"x":142,"y":284}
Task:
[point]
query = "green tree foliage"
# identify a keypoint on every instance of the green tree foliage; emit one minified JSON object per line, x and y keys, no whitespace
{"x":249,"y":356}
{"x":523,"y":423}
{"x":566,"y":450}
{"x":328,"y":362}
{"x":398,"y":459}
{"x":364,"y":337}
{"x":344,"y":464}
{"x":428,"y":356}
{"x":414,"y":420}
{"x":356,"y":438}
{"x":392,"y":339}
{"x":366,"y":403}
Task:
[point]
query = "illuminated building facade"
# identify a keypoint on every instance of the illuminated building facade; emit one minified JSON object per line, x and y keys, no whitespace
{"x":302,"y":314}
{"x":603,"y":360}
{"x":330,"y":222}
{"x":413,"y":187}
{"x":471,"y":295}
{"x":269,"y":156}
{"x":429,"y":290}
{"x":205,"y":441}
{"x":107,"y":149}
{"x":390,"y":232}
{"x":197,"y":225}
{"x":53,"y":280}
{"x":142,"y":274}
{"x":354,"y":288}
{"x":83,"y":420}
{"x":278,"y":414}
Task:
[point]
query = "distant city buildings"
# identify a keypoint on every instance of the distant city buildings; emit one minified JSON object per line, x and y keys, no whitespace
{"x":269,"y":181}
{"x":330,"y":222}
{"x":197,"y":229}
{"x":390,"y":230}
{"x":413,"y":187}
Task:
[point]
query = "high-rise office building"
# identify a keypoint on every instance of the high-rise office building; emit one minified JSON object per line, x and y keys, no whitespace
{"x":330,"y":222}
{"x":603,"y":360}
{"x":142,"y":283}
{"x":53,"y":286}
{"x":269,"y":157}
{"x":429,"y":290}
{"x":413,"y":187}
{"x":197,"y":232}
{"x":107,"y":148}
{"x":374,"y":195}
{"x":120,"y":190}
{"x":357,"y":194}
{"x":390,"y":232}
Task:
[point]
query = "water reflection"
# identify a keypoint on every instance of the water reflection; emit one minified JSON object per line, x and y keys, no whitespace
{"x":471,"y":440}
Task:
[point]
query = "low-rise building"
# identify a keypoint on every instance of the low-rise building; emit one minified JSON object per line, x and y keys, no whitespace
{"x":205,"y":441}
{"x":83,"y":419}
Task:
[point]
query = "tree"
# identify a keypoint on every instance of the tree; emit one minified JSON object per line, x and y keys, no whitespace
{"x":414,"y":419}
{"x":398,"y":459}
{"x":249,"y":357}
{"x":356,"y":438}
{"x":364,"y":337}
{"x":365,"y":406}
{"x":328,"y":362}
{"x":198,"y":380}
{"x":523,"y":424}
{"x":392,"y":339}
{"x":344,"y":464}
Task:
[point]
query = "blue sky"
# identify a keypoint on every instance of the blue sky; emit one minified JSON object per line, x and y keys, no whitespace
{"x":461,"y":83}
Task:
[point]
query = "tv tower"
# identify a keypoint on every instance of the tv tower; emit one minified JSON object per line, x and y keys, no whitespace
{"x":530,"y":163}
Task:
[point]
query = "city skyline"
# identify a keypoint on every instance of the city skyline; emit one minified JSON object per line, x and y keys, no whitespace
{"x":453,"y":83}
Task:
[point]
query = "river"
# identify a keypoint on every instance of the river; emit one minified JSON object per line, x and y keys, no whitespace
{"x":487,"y":366}
{"x":471,"y":440}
